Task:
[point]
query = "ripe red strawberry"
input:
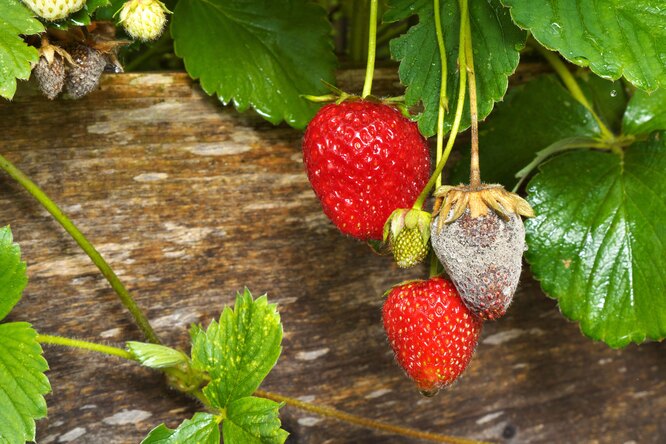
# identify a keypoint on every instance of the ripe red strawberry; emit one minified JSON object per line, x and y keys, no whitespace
{"x":364,"y":160}
{"x":432,"y":333}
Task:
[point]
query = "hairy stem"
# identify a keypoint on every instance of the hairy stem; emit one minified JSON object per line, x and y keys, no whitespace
{"x":443,"y":103}
{"x":372,"y":49}
{"x":361,"y":421}
{"x":84,"y":243}
{"x":85,"y":345}
{"x":573,"y":87}
{"x":320,"y":410}
{"x":460,"y":104}
{"x":474,"y":169}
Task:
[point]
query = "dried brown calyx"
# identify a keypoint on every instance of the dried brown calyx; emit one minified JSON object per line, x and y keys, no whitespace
{"x":452,"y":202}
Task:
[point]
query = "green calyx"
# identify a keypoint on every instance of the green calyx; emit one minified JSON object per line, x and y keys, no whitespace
{"x":408,"y":234}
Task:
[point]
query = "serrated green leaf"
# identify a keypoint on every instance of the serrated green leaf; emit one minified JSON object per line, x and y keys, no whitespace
{"x":614,"y":37}
{"x":240,"y":350}
{"x":496,"y":40}
{"x":203,"y":428}
{"x":253,"y":420}
{"x":532,"y":117}
{"x":22,"y":382}
{"x":266,"y":54}
{"x":597,"y":243}
{"x":13,"y":278}
{"x":645,"y":113}
{"x":15,"y":55}
{"x":155,"y":355}
{"x":83,"y":17}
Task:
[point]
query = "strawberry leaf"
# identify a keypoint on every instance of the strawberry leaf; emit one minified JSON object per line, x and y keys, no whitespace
{"x":13,"y":278}
{"x":497,"y":42}
{"x":15,"y":55}
{"x":83,"y":17}
{"x":597,"y":243}
{"x":203,"y":428}
{"x":253,"y":420}
{"x":240,"y":350}
{"x":260,"y":53}
{"x":22,"y":382}
{"x":155,"y":355}
{"x":645,"y":113}
{"x":613,"y":37}
{"x":533,"y":117}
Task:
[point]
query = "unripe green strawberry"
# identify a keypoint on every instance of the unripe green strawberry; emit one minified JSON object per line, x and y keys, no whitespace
{"x":54,"y":9}
{"x":83,"y":77}
{"x":408,"y":235}
{"x":143,"y":19}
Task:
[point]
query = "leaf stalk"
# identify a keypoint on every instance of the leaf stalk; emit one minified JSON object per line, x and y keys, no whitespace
{"x":125,"y":297}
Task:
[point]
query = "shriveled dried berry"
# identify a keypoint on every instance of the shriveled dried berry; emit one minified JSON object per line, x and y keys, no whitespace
{"x":83,"y":77}
{"x":50,"y":76}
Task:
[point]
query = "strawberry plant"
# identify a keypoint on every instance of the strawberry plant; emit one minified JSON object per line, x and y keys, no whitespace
{"x":583,"y":143}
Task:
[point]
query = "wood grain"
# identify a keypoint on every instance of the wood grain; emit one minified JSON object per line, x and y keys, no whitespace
{"x":189,"y":202}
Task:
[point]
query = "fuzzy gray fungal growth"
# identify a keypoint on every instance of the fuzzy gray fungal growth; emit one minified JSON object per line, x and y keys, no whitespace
{"x":483,"y":257}
{"x":83,"y":78}
{"x":50,"y":76}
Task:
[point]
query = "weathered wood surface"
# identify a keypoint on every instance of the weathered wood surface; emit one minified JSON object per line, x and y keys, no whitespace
{"x":190,"y":202}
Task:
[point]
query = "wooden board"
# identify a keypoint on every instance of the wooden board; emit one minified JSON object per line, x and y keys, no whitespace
{"x":190,"y":202}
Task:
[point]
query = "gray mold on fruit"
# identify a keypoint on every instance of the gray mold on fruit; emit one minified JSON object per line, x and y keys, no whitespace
{"x":84,"y":77}
{"x":50,"y":76}
{"x":483,"y":257}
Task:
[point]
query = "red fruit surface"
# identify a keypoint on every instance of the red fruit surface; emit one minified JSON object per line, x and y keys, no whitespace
{"x":364,"y":160}
{"x":432,"y":333}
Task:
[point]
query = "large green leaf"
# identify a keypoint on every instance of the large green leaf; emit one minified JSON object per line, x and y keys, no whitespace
{"x":614,"y":37}
{"x":259,"y":53}
{"x":22,"y":383}
{"x":496,"y":41}
{"x":598,"y":243}
{"x":240,"y":350}
{"x":645,"y":113}
{"x":13,"y":278}
{"x":253,"y":420}
{"x":532,"y":117}
{"x":15,"y":55}
{"x":203,"y":428}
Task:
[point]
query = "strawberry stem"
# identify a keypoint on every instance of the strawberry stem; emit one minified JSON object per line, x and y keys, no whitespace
{"x":320,"y":410}
{"x":124,"y":295}
{"x":372,"y":47}
{"x":361,"y":421}
{"x":456,"y":120}
{"x":443,"y":102}
{"x":85,"y":345}
{"x":571,"y":84}
{"x":474,"y":169}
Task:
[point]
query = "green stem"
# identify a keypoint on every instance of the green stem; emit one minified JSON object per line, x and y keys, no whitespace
{"x":372,"y":49}
{"x":156,"y":49}
{"x":83,"y":242}
{"x":456,"y":120}
{"x":573,"y":87}
{"x":361,"y":421}
{"x":443,"y":103}
{"x":474,"y":169}
{"x":85,"y":345}
{"x":320,"y":410}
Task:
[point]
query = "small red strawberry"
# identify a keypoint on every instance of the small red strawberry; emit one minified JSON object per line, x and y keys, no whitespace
{"x":431,"y":332}
{"x":364,"y":160}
